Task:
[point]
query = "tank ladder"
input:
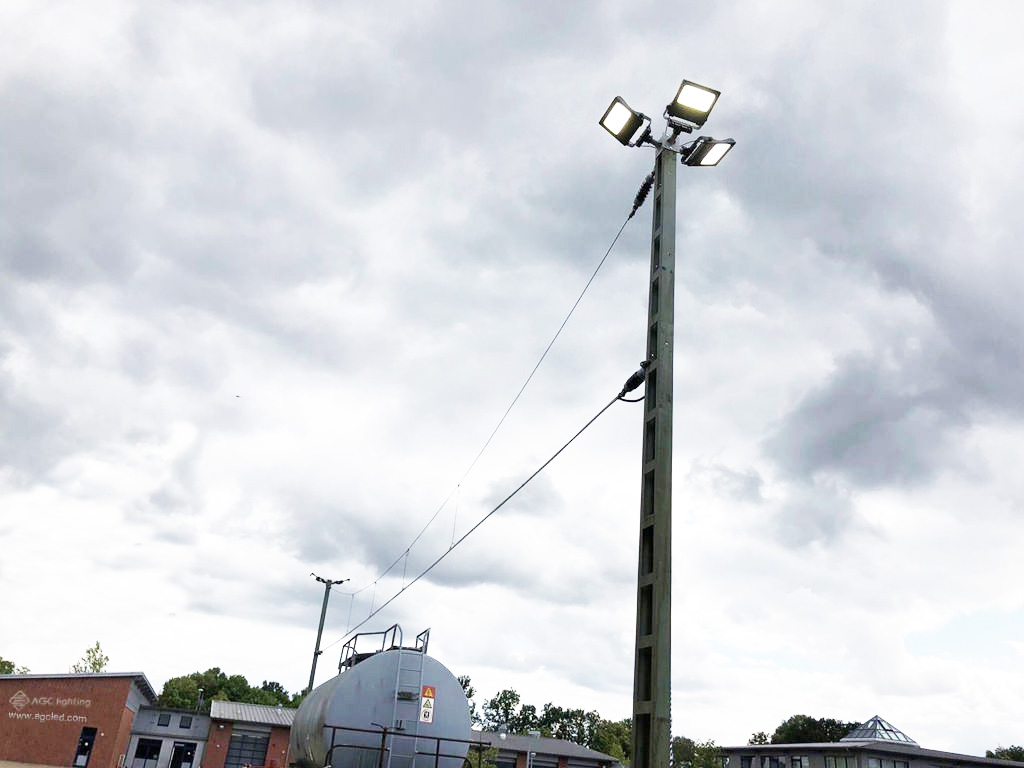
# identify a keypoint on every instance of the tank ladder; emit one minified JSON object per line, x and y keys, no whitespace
{"x":408,"y":698}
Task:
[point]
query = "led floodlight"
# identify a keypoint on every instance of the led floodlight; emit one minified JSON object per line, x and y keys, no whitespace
{"x":693,"y":103}
{"x":707,"y":151}
{"x":621,"y":121}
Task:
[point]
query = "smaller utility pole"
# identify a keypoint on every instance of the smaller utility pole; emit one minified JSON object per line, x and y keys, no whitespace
{"x":323,"y":614}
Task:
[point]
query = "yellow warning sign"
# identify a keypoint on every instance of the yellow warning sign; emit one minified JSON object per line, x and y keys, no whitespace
{"x":427,"y":704}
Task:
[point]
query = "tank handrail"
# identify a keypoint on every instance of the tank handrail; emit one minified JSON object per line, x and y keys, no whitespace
{"x":477,"y":741}
{"x":422,"y":639}
{"x":479,"y":744}
{"x":348,"y":650}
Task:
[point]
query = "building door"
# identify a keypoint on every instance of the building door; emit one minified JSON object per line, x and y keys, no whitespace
{"x":183,"y":754}
{"x":85,"y":742}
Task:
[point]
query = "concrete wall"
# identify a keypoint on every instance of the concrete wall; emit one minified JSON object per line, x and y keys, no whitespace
{"x":147,"y":726}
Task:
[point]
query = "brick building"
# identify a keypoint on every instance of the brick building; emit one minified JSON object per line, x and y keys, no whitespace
{"x":79,"y":720}
{"x":248,"y":734}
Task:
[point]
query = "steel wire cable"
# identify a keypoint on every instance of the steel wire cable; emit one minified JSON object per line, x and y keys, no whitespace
{"x":638,"y":201}
{"x":480,"y":522}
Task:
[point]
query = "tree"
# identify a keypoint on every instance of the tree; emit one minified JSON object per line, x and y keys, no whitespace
{"x":681,"y":752}
{"x":568,"y":724}
{"x":803,"y":729}
{"x":93,"y":661}
{"x":758,"y":738}
{"x":183,"y":692}
{"x":501,"y":710}
{"x":273,"y":693}
{"x":10,"y":668}
{"x":180,"y":693}
{"x":481,"y":758}
{"x":614,"y":738}
{"x":470,"y":691}
{"x":525,"y":720}
{"x":707,"y":755}
{"x":1006,"y":753}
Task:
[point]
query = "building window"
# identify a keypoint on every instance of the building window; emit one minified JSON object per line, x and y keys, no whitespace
{"x":147,"y":752}
{"x":186,"y":721}
{"x":164,"y":718}
{"x":85,"y":742}
{"x":246,"y":749}
{"x":839,"y":761}
{"x":745,"y":761}
{"x":800,"y":762}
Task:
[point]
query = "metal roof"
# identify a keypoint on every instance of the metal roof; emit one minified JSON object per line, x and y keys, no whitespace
{"x":543,"y":744}
{"x":261,"y":714}
{"x":138,"y":677}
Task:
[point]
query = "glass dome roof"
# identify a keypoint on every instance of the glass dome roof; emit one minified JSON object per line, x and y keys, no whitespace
{"x":876,"y":729}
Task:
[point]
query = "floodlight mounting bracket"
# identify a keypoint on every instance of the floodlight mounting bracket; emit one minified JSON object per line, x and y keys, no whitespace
{"x":677,"y":123}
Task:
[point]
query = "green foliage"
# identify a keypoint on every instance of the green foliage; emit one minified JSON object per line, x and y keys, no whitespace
{"x":10,"y":668}
{"x":470,"y":691}
{"x":681,"y":752}
{"x":803,"y":729}
{"x":183,"y":692}
{"x":687,"y":753}
{"x":1006,"y":753}
{"x":614,"y":738}
{"x":758,"y":738}
{"x":502,"y":710}
{"x":574,"y":725}
{"x":707,"y":755}
{"x":568,"y":724}
{"x":93,"y":661}
{"x":481,"y":758}
{"x":179,"y":693}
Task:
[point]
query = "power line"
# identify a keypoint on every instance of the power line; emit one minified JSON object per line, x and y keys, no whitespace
{"x":638,"y":201}
{"x":633,"y":382}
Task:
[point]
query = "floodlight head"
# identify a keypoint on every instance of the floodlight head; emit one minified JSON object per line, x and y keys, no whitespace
{"x":621,"y":121}
{"x":707,"y":151}
{"x":693,"y":103}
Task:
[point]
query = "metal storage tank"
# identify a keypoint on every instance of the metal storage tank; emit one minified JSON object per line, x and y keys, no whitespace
{"x":394,"y":707}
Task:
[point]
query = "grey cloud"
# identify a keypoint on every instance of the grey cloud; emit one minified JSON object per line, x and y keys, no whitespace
{"x":819,"y":511}
{"x":741,"y":485}
{"x":539,"y":497}
{"x":34,"y":436}
{"x":818,"y":168}
{"x":870,"y":424}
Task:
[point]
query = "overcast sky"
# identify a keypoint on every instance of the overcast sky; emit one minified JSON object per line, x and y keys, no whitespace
{"x":271,"y":273}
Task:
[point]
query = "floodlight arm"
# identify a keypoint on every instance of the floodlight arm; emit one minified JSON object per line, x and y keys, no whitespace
{"x":667,"y":141}
{"x":645,"y":137}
